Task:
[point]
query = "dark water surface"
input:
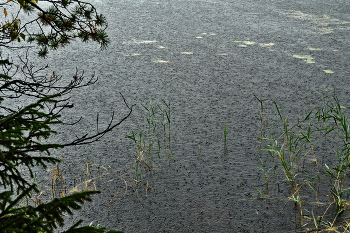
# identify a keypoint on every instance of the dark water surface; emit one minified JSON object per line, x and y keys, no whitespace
{"x":184,"y":51}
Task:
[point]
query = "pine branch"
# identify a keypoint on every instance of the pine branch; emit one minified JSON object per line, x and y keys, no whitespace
{"x":44,"y":217}
{"x":51,"y":214}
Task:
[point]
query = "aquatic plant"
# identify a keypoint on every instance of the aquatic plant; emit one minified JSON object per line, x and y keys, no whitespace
{"x":154,"y":141}
{"x":311,"y":155}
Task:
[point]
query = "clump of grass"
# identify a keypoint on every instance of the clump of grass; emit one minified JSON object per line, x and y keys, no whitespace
{"x":86,"y":176}
{"x":154,"y":142}
{"x":311,"y":155}
{"x":58,"y":187}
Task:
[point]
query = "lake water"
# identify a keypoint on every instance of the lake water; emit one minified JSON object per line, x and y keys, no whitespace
{"x":207,"y":58}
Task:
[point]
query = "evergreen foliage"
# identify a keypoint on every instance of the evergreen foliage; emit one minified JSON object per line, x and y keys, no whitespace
{"x":25,"y":131}
{"x":56,"y":26}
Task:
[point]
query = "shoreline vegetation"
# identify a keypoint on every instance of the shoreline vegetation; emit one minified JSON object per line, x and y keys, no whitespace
{"x":310,"y":157}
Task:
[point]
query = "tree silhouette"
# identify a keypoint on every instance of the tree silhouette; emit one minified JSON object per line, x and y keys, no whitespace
{"x":25,"y":131}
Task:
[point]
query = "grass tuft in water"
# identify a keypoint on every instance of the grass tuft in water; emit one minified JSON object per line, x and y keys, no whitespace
{"x":310,"y":157}
{"x":154,"y":141}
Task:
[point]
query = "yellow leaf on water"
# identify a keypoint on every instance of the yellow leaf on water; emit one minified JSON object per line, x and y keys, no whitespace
{"x":222,"y":54}
{"x":160,"y":61}
{"x":248,"y":42}
{"x":313,"y":49}
{"x":199,"y":37}
{"x":298,"y":56}
{"x":266,"y":44}
{"x":5,"y":12}
{"x":140,"y":42}
{"x":328,"y":71}
{"x":145,"y":41}
{"x":309,"y":61}
{"x":132,"y":55}
{"x":302,"y":56}
{"x":342,"y":107}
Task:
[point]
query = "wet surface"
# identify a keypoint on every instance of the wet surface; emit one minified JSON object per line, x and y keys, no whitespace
{"x":207,"y":58}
